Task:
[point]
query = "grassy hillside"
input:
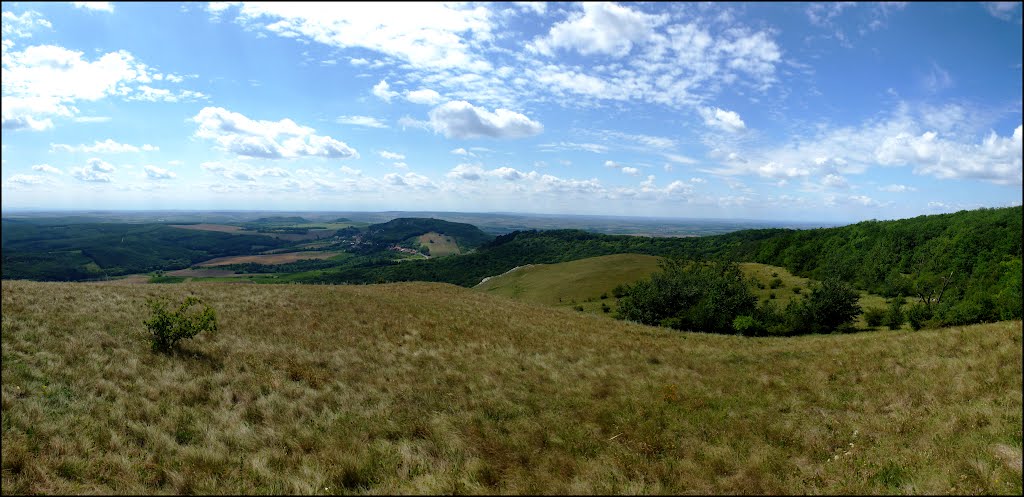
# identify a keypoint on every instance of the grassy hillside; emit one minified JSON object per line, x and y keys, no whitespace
{"x":439,"y":245}
{"x":401,"y":229}
{"x":433,"y":388}
{"x":571,"y":282}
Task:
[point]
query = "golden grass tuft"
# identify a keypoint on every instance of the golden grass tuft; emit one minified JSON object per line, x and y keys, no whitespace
{"x":433,"y":388}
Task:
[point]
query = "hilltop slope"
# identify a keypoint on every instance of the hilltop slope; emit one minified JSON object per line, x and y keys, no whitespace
{"x":433,"y":388}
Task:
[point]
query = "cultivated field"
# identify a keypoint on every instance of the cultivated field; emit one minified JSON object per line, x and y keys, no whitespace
{"x":433,"y":388}
{"x":269,"y":259}
{"x":222,"y":228}
{"x":439,"y":245}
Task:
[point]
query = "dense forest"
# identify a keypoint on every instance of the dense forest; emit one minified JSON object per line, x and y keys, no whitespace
{"x":83,"y":251}
{"x":965,"y":267}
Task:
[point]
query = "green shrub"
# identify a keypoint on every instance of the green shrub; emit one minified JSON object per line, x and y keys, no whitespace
{"x":874,"y":316}
{"x":605,"y":308}
{"x":748,"y":325}
{"x":166,"y":328}
{"x":797,"y":290}
{"x":894,"y":316}
{"x":775,"y":283}
{"x":917,"y":314}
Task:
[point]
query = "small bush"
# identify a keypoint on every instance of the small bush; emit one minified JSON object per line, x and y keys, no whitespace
{"x":604,"y":295}
{"x":605,"y":308}
{"x":874,"y":316}
{"x":748,"y":325}
{"x":771,"y":295}
{"x":917,"y":314}
{"x":579,"y":308}
{"x":894,"y":316}
{"x":166,"y":328}
{"x":619,"y":291}
{"x":797,"y":290}
{"x":775,"y":283}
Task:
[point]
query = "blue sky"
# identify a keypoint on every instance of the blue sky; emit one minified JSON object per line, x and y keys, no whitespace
{"x":832,"y":112}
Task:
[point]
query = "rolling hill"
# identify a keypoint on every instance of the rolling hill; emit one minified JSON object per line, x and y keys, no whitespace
{"x":402,"y":229}
{"x":434,"y":388}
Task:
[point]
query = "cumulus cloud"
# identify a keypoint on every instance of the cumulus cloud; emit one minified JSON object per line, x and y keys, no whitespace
{"x":46,"y":168}
{"x":351,"y":172}
{"x":427,"y":35}
{"x":100,"y":6}
{"x":461,"y":151}
{"x":107,"y":146}
{"x":467,"y":172}
{"x":425,"y":96}
{"x":383,"y":91}
{"x":25,"y":179}
{"x":725,"y":120}
{"x":411,"y":180}
{"x":507,"y":173}
{"x":460,"y":119}
{"x":632,"y":171}
{"x":369,"y":122}
{"x":1006,"y":11}
{"x":391,"y":155}
{"x":95,"y":170}
{"x":242,"y":171}
{"x":46,"y":81}
{"x":601,"y":28}
{"x":835,"y":181}
{"x":240,"y":135}
{"x":159,"y":173}
{"x":22,"y":26}
{"x":894,"y":188}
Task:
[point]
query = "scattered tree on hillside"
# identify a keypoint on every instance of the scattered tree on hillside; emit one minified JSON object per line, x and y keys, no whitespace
{"x":166,"y":328}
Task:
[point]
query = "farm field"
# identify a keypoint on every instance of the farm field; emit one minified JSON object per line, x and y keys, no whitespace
{"x":433,"y":388}
{"x":438,"y":244}
{"x":278,"y":258}
{"x":220,"y":228}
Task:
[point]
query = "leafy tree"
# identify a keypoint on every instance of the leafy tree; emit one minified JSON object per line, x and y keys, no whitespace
{"x":699,"y":296}
{"x":168,"y":327}
{"x":830,"y":306}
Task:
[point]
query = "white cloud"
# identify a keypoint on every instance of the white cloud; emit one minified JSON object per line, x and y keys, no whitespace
{"x":835,"y":181}
{"x":426,"y":35}
{"x":632,"y":171}
{"x":460,"y":119}
{"x":46,"y":168}
{"x":25,"y":179}
{"x":897,"y":188}
{"x":1006,"y":11}
{"x":725,"y":120}
{"x":100,"y":6}
{"x":46,"y":81}
{"x":587,"y":147}
{"x":507,"y":173}
{"x":370,"y":122}
{"x":412,"y":180}
{"x":22,"y":26}
{"x":680,"y":159}
{"x":461,"y":151}
{"x":159,"y":173}
{"x":601,"y":28}
{"x":425,"y":96}
{"x":391,"y":155}
{"x":95,"y":170}
{"x":241,"y":171}
{"x":467,"y":172}
{"x":91,"y":119}
{"x":107,"y":146}
{"x":266,"y":139}
{"x":937,"y":79}
{"x":382,"y":91}
{"x":612,"y":164}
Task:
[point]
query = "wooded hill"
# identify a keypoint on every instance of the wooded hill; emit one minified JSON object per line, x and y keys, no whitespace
{"x":967,"y":263}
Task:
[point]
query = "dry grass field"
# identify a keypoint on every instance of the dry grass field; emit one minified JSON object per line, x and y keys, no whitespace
{"x":222,"y":228}
{"x":270,"y":259}
{"x":433,"y":388}
{"x":439,"y":245}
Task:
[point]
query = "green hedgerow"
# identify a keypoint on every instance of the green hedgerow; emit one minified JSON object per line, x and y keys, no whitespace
{"x":166,"y":327}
